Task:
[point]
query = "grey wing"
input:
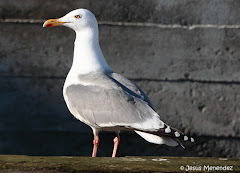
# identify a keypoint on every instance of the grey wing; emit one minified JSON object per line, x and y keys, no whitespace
{"x":106,"y":106}
{"x":130,"y":87}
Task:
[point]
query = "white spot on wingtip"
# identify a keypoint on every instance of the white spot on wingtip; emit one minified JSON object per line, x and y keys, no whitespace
{"x":192,"y":140}
{"x":168,"y":130}
{"x":177,"y":134}
{"x":185,"y":138}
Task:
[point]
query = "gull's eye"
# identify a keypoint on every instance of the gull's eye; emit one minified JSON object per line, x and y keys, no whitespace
{"x":77,"y":16}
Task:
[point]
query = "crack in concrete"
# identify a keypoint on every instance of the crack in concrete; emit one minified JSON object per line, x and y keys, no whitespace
{"x":37,"y":21}
{"x":136,"y":79}
{"x":187,"y":80}
{"x":134,"y":24}
{"x":173,"y":26}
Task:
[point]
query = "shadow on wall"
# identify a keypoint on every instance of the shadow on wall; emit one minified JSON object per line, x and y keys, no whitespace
{"x":56,"y":132}
{"x":39,"y":123}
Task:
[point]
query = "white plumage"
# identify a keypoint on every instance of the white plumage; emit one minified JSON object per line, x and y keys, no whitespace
{"x":102,"y":99}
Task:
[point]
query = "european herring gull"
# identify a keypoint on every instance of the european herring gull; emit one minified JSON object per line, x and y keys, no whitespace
{"x":102,"y":99}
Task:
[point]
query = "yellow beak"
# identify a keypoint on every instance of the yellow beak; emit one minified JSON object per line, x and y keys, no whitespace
{"x":53,"y":22}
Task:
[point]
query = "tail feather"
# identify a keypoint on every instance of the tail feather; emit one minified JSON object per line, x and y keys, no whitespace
{"x":157,"y":139}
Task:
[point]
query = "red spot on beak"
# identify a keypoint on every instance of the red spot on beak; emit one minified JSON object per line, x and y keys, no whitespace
{"x":49,"y":25}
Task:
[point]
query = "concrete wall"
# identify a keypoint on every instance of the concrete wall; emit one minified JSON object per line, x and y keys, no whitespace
{"x":184,"y":54}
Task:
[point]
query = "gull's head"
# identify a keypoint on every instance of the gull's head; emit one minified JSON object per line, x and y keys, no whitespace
{"x":78,"y":20}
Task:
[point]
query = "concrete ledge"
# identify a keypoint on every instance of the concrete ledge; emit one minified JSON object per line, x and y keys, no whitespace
{"x":121,"y":164}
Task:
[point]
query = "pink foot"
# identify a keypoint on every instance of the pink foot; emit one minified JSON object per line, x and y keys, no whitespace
{"x":116,"y":142}
{"x":95,"y":146}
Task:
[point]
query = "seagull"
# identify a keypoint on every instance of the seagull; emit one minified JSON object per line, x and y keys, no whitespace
{"x":103,"y":99}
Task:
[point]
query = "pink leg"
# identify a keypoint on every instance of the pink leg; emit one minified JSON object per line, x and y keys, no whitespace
{"x":95,"y":143}
{"x":116,"y":142}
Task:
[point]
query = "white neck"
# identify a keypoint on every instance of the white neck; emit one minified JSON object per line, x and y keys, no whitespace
{"x":88,"y":56}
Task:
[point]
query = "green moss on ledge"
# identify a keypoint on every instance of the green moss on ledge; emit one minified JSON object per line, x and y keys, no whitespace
{"x":40,"y":164}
